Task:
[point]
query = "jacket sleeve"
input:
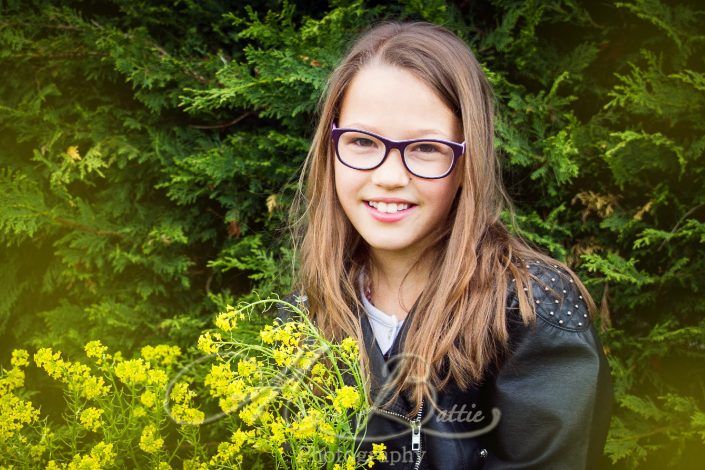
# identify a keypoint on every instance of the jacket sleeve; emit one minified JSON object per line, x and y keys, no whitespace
{"x":554,"y":391}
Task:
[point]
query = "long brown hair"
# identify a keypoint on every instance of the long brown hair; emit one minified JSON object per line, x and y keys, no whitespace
{"x":467,"y":305}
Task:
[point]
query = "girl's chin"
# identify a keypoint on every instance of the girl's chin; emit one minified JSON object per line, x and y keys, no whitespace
{"x":386,"y":243}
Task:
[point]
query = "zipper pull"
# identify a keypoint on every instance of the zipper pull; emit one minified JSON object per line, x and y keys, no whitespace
{"x":415,"y":435}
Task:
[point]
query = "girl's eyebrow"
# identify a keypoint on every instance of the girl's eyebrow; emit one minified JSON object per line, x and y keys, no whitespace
{"x":373,"y":129}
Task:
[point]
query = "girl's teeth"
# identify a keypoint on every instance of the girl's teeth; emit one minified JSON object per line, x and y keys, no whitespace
{"x":390,"y":208}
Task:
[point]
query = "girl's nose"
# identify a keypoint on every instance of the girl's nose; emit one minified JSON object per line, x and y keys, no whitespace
{"x":392,"y":173}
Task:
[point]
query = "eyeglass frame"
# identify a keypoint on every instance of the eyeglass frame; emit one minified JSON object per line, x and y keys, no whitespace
{"x":389,"y":144}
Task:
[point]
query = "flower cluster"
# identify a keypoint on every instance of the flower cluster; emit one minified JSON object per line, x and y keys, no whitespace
{"x":292,"y":392}
{"x":100,"y":456}
{"x":15,"y":412}
{"x":227,"y":321}
{"x":150,"y":441}
{"x":291,"y":398}
{"x":75,"y":375}
{"x":112,"y":407}
{"x":229,"y":452}
{"x":346,"y":397}
{"x":181,"y":410}
{"x":209,"y":342}
{"x":161,"y":355}
{"x":96,"y":349}
{"x":223,"y":385}
{"x":90,"y":418}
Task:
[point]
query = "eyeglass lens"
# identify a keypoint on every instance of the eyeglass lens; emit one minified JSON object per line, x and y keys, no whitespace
{"x":426,"y":159}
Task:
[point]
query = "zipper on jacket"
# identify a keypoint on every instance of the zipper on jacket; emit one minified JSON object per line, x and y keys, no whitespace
{"x":415,"y":431}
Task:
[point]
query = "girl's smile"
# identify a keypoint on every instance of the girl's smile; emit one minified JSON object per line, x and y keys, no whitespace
{"x":390,"y":211}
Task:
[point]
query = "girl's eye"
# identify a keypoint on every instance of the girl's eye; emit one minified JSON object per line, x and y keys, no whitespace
{"x":425,"y":147}
{"x":363,"y":142}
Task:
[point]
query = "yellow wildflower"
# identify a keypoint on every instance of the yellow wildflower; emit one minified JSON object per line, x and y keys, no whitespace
{"x":148,"y":398}
{"x":227,"y":321}
{"x":378,"y":452}
{"x":95,"y":349}
{"x":229,"y":450}
{"x":51,"y":362}
{"x":257,"y":408}
{"x":313,"y":425}
{"x":246,"y":367}
{"x":101,"y":455}
{"x":291,"y":389}
{"x":326,"y":432}
{"x":346,"y":397}
{"x":194,"y":464}
{"x":350,"y":464}
{"x":14,"y":378}
{"x":226,"y":452}
{"x":350,"y":347}
{"x":162,"y":354}
{"x":283,"y":357}
{"x":306,"y":426}
{"x":90,"y":418}
{"x":14,"y":414}
{"x":132,"y":372}
{"x":181,"y":412}
{"x":157,"y":377}
{"x":262,"y":442}
{"x":233,"y":397}
{"x":223,"y":384}
{"x":20,"y":358}
{"x":150,"y":441}
{"x":75,"y":375}
{"x":267,"y":334}
{"x":318,"y":370}
{"x":218,"y":378}
{"x":306,"y":360}
{"x":180,"y":392}
{"x":37,"y":450}
{"x":93,"y":387}
{"x":287,"y":334}
{"x":240,"y":437}
{"x":208,"y":342}
{"x":249,"y":415}
{"x":277,"y":431}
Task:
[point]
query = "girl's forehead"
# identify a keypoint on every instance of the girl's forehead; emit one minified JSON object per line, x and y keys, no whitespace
{"x":383,"y":98}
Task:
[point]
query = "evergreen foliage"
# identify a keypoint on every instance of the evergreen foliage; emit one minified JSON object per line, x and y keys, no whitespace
{"x":148,"y":153}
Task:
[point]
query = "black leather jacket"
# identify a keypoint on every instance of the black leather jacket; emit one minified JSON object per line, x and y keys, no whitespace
{"x":547,"y":406}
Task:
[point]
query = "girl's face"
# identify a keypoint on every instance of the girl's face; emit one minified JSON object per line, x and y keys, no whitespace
{"x":392,"y":102}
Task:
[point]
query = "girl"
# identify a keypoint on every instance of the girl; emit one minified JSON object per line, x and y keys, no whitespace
{"x":480,"y":350}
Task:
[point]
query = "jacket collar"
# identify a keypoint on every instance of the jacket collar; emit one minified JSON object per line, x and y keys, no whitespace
{"x":381,"y":369}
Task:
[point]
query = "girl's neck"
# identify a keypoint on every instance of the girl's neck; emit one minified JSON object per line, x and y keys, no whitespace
{"x":390,"y":292}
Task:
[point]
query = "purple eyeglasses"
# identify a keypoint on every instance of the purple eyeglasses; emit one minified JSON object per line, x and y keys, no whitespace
{"x":425,"y":158}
